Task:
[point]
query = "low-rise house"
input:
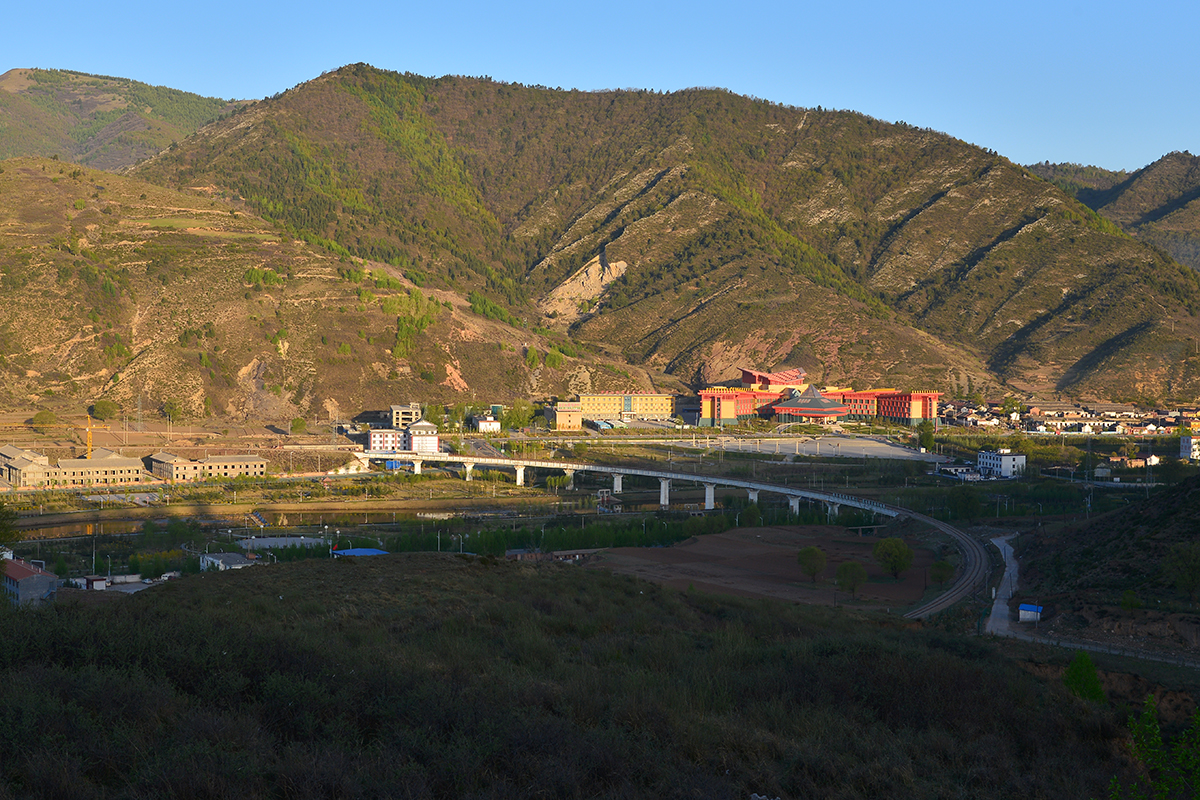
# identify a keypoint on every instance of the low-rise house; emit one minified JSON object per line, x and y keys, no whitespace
{"x":223,"y":561}
{"x":486,"y":424}
{"x":25,"y":583}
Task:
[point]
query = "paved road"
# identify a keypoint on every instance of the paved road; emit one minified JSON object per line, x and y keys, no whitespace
{"x":999,"y":623}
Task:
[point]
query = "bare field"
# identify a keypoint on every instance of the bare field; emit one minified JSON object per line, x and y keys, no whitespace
{"x":761,"y":562}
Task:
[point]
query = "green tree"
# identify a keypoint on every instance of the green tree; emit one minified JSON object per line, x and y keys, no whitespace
{"x":1182,"y":568}
{"x":851,"y":575}
{"x":172,"y":409}
{"x":1130,"y":601}
{"x":299,"y":426}
{"x":60,"y":566}
{"x":44,"y":419}
{"x":1166,"y":772}
{"x":518,"y":415}
{"x":105,"y":409}
{"x":751,"y":516}
{"x":925,"y":434}
{"x":8,"y":526}
{"x":554,"y":358}
{"x":964,"y":502}
{"x":941,"y":571}
{"x":1082,"y":679}
{"x":811,"y":561}
{"x":893,"y":555}
{"x":531,"y":358}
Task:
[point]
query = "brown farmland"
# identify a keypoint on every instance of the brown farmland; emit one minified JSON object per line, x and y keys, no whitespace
{"x":761,"y":562}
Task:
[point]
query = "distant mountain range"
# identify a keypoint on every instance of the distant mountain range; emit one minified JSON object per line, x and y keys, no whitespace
{"x":1158,"y":204}
{"x":651,"y":239}
{"x":107,"y":123}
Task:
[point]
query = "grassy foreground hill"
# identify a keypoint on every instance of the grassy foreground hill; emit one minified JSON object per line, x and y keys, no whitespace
{"x":428,"y":675}
{"x":1117,"y":574}
{"x":104,"y":122}
{"x":695,"y":231}
{"x":115,"y":288}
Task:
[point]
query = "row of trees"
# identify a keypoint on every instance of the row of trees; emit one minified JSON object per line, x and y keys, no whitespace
{"x":892,"y":554}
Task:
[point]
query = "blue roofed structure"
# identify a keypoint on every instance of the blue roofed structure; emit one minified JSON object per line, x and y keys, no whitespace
{"x":359,"y":551}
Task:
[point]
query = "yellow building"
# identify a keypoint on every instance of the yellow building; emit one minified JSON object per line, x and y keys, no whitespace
{"x":635,"y":405}
{"x":567,"y":416}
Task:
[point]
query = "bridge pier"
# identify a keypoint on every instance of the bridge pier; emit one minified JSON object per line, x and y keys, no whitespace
{"x":520,"y":476}
{"x":664,"y":492}
{"x":833,"y":509}
{"x":753,"y":495}
{"x":416,"y":466}
{"x":710,"y":496}
{"x":467,"y":467}
{"x":794,"y":505}
{"x":617,"y":482}
{"x":570,"y":473}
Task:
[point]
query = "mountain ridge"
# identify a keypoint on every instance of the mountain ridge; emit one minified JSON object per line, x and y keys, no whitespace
{"x":752,"y":233}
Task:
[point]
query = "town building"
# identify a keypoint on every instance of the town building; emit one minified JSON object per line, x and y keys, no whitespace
{"x":177,"y":469}
{"x":626,"y":406}
{"x":1002,"y":463}
{"x":403,"y":415}
{"x":485,"y":424}
{"x":220,"y":562}
{"x":422,"y":437}
{"x":26,"y":583}
{"x":906,"y":408}
{"x":234,"y":466}
{"x":808,"y":406}
{"x":1189,"y":447}
{"x":21,"y":468}
{"x":385,"y":439}
{"x":781,"y":395}
{"x":565,"y":416}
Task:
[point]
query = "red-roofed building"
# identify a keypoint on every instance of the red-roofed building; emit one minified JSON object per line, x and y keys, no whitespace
{"x":777,"y":395}
{"x":907,"y":408}
{"x":28,"y":584}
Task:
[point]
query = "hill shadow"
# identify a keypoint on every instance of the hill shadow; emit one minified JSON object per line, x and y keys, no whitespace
{"x":1101,"y":353}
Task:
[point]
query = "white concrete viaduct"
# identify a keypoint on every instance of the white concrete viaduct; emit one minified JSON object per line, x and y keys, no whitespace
{"x":832,"y":500}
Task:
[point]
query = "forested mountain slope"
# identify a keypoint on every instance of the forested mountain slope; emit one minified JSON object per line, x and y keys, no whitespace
{"x":1159,"y":204}
{"x":104,"y":122}
{"x":719,"y":230}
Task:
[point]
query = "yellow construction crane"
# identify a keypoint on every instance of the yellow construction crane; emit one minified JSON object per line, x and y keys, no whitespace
{"x":90,"y":428}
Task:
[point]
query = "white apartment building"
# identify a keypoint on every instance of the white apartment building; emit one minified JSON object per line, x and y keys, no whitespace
{"x":1003,"y":463}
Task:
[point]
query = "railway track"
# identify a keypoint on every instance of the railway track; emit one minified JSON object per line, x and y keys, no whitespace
{"x":972,"y":575}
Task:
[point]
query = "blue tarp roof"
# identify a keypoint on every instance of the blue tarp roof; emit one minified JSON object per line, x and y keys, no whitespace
{"x":1030,"y":607}
{"x":360,"y":551}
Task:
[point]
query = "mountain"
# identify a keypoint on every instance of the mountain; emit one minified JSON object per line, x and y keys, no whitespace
{"x":697,"y":231}
{"x":107,"y":123}
{"x":1159,"y":204}
{"x":117,"y":288}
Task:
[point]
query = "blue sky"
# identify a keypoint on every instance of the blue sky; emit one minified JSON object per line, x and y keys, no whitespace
{"x":1096,"y":83}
